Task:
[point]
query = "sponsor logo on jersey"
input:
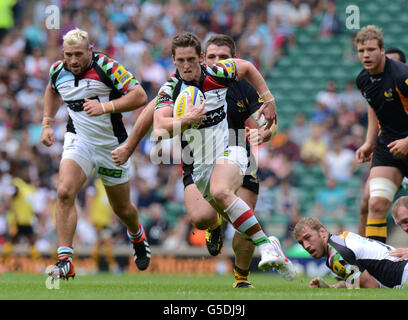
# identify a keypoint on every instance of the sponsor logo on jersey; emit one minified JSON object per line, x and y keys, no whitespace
{"x":122,"y":75}
{"x":213,"y":117}
{"x":228,"y":65}
{"x":388,"y":93}
{"x":341,"y":270}
{"x":240,"y":104}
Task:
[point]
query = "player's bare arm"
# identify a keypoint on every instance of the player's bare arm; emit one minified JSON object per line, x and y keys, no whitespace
{"x":52,"y":102}
{"x":364,"y":153}
{"x":248,"y":71}
{"x":365,"y":281}
{"x":143,"y":123}
{"x":135,"y":97}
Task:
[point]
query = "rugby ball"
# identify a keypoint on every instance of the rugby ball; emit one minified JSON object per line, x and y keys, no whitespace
{"x":181,"y":105}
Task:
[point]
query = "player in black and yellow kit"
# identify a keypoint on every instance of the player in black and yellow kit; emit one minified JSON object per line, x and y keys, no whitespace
{"x":20,"y":218}
{"x":100,"y":213}
{"x":384,"y":84}
{"x":399,"y":55}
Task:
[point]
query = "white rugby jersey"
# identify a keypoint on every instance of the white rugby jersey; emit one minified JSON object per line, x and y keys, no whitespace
{"x":350,"y":249}
{"x":210,"y":140}
{"x":104,"y":80}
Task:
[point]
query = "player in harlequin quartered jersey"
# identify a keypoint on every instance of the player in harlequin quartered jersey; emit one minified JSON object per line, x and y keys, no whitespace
{"x":358,"y":261}
{"x":384,"y":84}
{"x":218,"y":167}
{"x":96,"y":89}
{"x":242,"y":102}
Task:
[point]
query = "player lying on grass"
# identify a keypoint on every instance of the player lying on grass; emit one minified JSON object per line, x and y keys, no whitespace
{"x":360,"y":262}
{"x":400,"y":216}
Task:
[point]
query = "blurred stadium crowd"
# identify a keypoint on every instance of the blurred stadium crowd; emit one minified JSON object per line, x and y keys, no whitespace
{"x":138,"y":34}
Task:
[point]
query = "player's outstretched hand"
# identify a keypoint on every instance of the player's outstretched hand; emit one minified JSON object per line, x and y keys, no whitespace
{"x":315,"y":283}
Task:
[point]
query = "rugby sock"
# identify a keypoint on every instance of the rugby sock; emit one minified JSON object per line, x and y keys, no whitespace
{"x":376,"y":229}
{"x":244,"y":220}
{"x":240,"y":274}
{"x":138,"y":236}
{"x":67,"y":251}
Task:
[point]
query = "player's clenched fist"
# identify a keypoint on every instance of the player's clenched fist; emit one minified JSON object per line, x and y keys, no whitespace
{"x":47,"y":137}
{"x":93,"y":108}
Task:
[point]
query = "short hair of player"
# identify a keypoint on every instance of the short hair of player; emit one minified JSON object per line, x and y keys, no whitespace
{"x":76,"y":37}
{"x":370,"y":32}
{"x":400,"y":202}
{"x":222,"y":40}
{"x":398,"y":51}
{"x":184,"y":40}
{"x":311,"y":222}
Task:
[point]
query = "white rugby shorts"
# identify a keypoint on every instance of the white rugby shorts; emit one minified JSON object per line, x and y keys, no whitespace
{"x":95,"y":159}
{"x":202,"y":176}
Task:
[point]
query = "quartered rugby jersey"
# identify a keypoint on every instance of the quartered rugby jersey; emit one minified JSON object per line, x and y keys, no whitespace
{"x":212,"y":139}
{"x":242,"y":101}
{"x":350,"y":249}
{"x":387,"y":94}
{"x":104,"y":80}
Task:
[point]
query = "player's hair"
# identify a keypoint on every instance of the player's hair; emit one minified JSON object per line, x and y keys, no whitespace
{"x":311,"y":222}
{"x":184,"y":40}
{"x":370,"y":32}
{"x":400,"y":202}
{"x":76,"y":37}
{"x":221,"y":40}
{"x":398,"y":51}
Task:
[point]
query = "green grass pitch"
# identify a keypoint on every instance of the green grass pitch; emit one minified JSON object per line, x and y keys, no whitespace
{"x":149,"y":286}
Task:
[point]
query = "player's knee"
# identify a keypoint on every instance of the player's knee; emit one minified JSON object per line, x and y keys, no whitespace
{"x":379,"y":205}
{"x":65,"y":194}
{"x":382,"y":192}
{"x":220,"y":193}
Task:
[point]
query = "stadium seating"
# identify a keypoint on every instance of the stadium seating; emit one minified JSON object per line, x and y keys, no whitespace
{"x":304,"y":70}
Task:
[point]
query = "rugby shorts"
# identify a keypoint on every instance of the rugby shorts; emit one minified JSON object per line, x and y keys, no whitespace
{"x":383,"y":157}
{"x":95,"y":160}
{"x":202,"y":177}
